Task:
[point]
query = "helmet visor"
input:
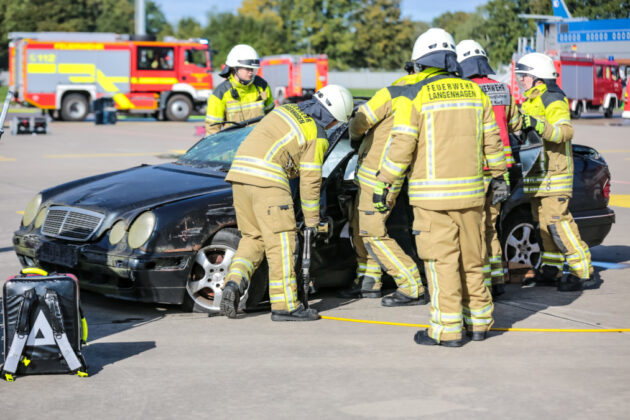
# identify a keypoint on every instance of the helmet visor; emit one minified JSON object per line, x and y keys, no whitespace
{"x":249,"y":63}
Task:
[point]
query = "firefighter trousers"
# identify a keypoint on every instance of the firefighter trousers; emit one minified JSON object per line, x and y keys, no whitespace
{"x":266,"y":220}
{"x":379,"y":249}
{"x":560,"y":236}
{"x":493,"y":257}
{"x":450,"y":243}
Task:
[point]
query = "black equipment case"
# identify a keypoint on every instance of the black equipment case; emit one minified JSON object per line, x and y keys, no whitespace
{"x":44,"y":327}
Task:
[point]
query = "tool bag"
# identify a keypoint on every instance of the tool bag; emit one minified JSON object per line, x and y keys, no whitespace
{"x":44,"y":327}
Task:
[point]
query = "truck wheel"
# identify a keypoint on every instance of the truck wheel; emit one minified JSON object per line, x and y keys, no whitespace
{"x":74,"y":107}
{"x":608,"y":112}
{"x":578,"y":111}
{"x":178,"y":108}
{"x":204,"y":286}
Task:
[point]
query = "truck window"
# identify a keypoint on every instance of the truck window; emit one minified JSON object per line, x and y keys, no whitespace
{"x":197,"y":57}
{"x":607,"y":73}
{"x":155,"y":58}
{"x":614,"y":71}
{"x":599,"y":72}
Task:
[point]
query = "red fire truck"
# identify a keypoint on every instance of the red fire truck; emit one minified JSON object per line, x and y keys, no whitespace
{"x":64,"y":72}
{"x":294,"y":77}
{"x":589,"y":83}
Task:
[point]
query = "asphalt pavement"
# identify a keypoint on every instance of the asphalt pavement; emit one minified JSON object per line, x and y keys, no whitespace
{"x":154,"y":361}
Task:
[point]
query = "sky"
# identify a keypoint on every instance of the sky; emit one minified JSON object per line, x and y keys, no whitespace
{"x":422,"y":10}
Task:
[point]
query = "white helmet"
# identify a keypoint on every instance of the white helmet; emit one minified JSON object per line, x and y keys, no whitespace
{"x":243,"y":55}
{"x":337,"y":100}
{"x":435,"y":39}
{"x":469,"y":48}
{"x":536,"y":64}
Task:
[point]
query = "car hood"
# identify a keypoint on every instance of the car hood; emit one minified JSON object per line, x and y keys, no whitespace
{"x":140,"y":188}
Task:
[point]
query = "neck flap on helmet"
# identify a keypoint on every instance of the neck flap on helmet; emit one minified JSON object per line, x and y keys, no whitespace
{"x":317,"y":111}
{"x":476,"y":66}
{"x":446,"y":60}
{"x":225,"y":73}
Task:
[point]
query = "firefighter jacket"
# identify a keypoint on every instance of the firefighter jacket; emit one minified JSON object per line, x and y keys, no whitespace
{"x":443,"y":133}
{"x":505,"y":111}
{"x":552,"y":174}
{"x":377,"y":116}
{"x":286,"y":144}
{"x":234,"y":101}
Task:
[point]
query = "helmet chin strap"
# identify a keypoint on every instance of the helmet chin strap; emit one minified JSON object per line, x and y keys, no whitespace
{"x":241,"y":81}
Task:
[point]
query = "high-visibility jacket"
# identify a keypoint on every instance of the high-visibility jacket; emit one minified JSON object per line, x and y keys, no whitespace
{"x":443,"y":133}
{"x":377,"y":115}
{"x":505,"y":111}
{"x":234,"y":101}
{"x":552,"y":174}
{"x":287,"y":143}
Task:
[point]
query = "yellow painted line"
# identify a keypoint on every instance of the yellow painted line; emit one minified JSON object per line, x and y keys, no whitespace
{"x":20,"y":212}
{"x":90,"y":155}
{"x":177,"y":152}
{"x":401,"y":324}
{"x":6,"y":159}
{"x":45,"y":68}
{"x":619,"y":200}
{"x":74,"y":68}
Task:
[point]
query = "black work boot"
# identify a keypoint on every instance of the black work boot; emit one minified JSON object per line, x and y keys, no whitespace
{"x":361,"y":289}
{"x":398,"y":298}
{"x":477,"y":335}
{"x":498,"y":290}
{"x":300,"y":314}
{"x":570,"y":283}
{"x":230,"y":299}
{"x":422,"y":337}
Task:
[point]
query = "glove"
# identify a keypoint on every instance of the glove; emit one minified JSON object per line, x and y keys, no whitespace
{"x":379,"y":198}
{"x":531,"y":123}
{"x":500,"y":189}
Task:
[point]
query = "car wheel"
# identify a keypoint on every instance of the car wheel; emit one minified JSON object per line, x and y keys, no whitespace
{"x":205,"y":283}
{"x":178,"y":108}
{"x":519,"y":239}
{"x":74,"y":107}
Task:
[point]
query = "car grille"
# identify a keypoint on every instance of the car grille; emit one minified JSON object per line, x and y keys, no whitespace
{"x":71,"y":223}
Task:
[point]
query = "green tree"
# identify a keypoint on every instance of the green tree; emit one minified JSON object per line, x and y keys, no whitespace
{"x":599,"y":9}
{"x":188,"y":28}
{"x":382,"y":39}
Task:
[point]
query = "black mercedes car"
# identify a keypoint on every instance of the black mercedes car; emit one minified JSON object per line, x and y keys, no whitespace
{"x":166,"y":233}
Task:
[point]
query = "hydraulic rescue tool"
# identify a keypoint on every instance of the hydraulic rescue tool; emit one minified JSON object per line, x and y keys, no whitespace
{"x":306,"y":263}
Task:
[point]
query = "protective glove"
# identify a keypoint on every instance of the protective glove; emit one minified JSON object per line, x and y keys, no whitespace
{"x":500,"y":189}
{"x":379,"y":198}
{"x":531,"y":123}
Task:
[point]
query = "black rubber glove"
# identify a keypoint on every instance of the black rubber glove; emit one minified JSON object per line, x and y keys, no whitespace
{"x":500,"y":189}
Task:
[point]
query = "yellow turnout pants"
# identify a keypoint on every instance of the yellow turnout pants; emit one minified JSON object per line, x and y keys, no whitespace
{"x":493,"y":257}
{"x":266,"y":220}
{"x":451,"y":245}
{"x":560,"y":236}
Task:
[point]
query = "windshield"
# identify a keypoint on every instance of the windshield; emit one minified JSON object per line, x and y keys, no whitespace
{"x":216,"y":151}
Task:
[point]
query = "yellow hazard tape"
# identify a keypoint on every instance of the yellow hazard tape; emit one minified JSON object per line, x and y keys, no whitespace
{"x":402,"y":324}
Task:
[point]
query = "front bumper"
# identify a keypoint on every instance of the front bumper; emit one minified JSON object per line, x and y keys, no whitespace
{"x":158,"y":278}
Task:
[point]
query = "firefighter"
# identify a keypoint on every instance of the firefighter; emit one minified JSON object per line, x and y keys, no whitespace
{"x":374,"y":248}
{"x":474,"y":63}
{"x":447,"y":121}
{"x":288,"y":142}
{"x":243,"y":95}
{"x":550,"y":182}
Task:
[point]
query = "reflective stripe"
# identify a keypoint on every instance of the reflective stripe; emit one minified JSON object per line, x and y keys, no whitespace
{"x":495,"y":159}
{"x":310,"y":204}
{"x":310,"y":167}
{"x":232,"y":106}
{"x":278,"y":144}
{"x":250,"y":171}
{"x":576,"y":245}
{"x":368,"y":112}
{"x":449,"y":194}
{"x":213,"y":119}
{"x":286,"y":271}
{"x":292,"y":124}
{"x":490,"y":126}
{"x":446,"y":182}
{"x":405,"y":129}
{"x":260,"y":162}
{"x":405,"y":272}
{"x":394,"y":168}
{"x":430,"y":147}
{"x":449,"y":105}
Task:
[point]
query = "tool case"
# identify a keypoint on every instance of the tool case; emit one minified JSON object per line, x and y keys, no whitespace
{"x":44,"y":327}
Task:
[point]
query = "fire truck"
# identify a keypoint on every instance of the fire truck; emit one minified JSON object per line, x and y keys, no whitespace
{"x":294,"y":77}
{"x":65,"y":72}
{"x":590,"y":83}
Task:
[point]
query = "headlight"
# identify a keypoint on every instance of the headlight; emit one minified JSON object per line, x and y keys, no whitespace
{"x":117,"y":232}
{"x":31,"y":210}
{"x":141,"y":229}
{"x":39,"y":220}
